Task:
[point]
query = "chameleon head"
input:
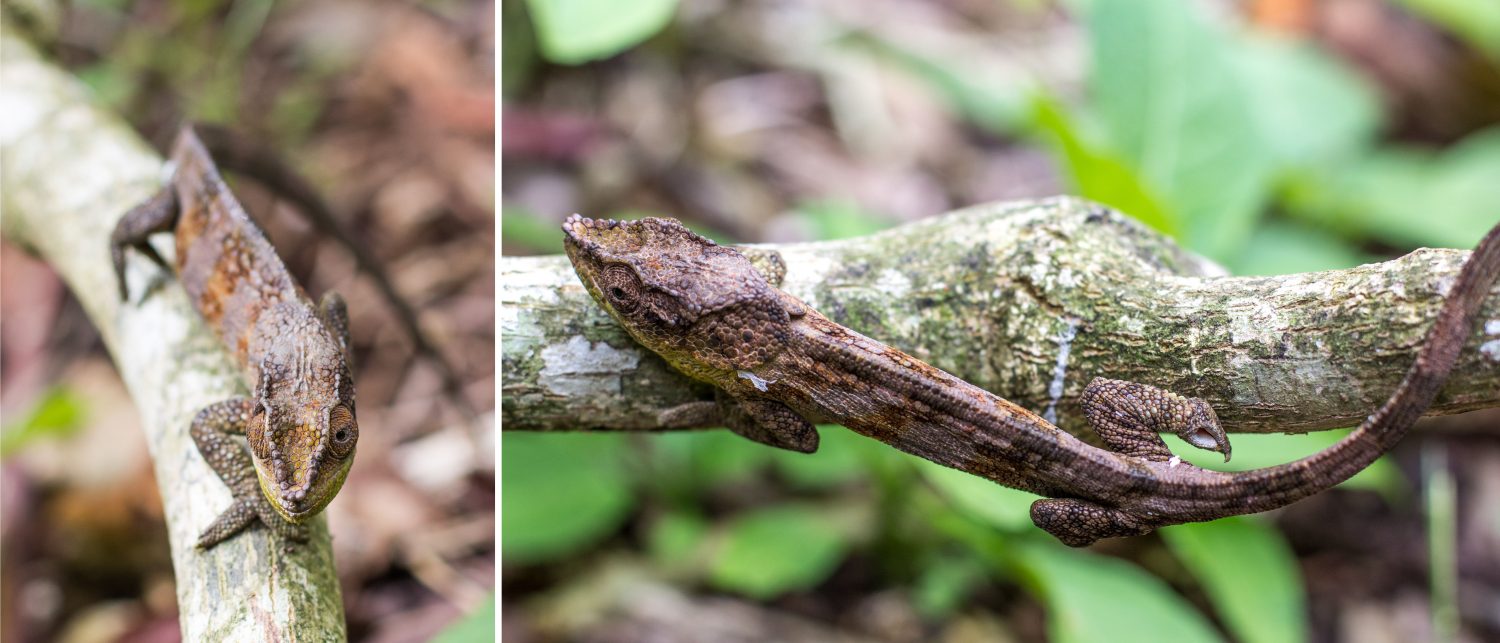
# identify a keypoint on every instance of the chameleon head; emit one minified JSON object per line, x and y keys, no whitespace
{"x":302,"y":436}
{"x":700,"y":305}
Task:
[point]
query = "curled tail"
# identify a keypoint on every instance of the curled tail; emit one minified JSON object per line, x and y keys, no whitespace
{"x":1080,"y":522}
{"x":1279,"y":485}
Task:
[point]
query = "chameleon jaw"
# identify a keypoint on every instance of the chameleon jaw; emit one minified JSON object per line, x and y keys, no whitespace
{"x":318,"y":498}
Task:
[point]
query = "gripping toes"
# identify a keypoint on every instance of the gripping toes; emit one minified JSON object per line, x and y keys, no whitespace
{"x":1078,"y":523}
{"x":1129,"y":416}
{"x":213,"y":432}
{"x":159,"y":214}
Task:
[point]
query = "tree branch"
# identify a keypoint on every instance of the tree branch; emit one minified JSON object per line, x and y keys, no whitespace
{"x":1032,"y":300}
{"x":71,"y":170}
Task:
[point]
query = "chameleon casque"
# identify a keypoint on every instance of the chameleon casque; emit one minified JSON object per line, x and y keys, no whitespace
{"x":300,"y":420}
{"x":778,"y":366}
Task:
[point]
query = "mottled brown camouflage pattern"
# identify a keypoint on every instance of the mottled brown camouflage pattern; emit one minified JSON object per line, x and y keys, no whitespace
{"x":707,"y":311}
{"x":300,"y":422}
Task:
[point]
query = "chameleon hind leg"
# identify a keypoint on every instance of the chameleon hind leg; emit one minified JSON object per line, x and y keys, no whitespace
{"x":158,"y":214}
{"x":765,"y":421}
{"x":1129,"y":418}
{"x":213,"y":431}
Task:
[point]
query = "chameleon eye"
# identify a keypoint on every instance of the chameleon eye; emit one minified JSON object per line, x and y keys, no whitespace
{"x":344,"y":431}
{"x":619,"y":286}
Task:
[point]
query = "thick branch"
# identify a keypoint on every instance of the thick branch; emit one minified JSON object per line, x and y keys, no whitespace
{"x":1032,"y":300}
{"x":70,"y":171}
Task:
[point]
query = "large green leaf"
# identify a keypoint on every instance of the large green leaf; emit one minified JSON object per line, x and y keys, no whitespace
{"x":771,"y":551}
{"x":560,"y":493}
{"x":474,"y":627}
{"x":1408,"y":196}
{"x":57,"y":415}
{"x":1295,"y":87}
{"x":840,"y":459}
{"x":1283,"y":248}
{"x":1249,"y":573}
{"x":576,"y":31}
{"x":1002,"y":507}
{"x":1168,"y":92}
{"x":1256,"y":451}
{"x":1096,"y":598}
{"x":1099,"y":174}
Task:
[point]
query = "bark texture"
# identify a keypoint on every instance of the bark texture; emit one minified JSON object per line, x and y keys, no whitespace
{"x":1032,"y":300}
{"x":71,"y":170}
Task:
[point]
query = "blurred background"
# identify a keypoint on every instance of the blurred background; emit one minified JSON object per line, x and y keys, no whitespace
{"x":388,"y":108}
{"x":1272,"y":136}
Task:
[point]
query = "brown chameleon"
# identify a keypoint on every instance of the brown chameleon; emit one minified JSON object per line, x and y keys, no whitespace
{"x":778,"y":366}
{"x":300,"y":420}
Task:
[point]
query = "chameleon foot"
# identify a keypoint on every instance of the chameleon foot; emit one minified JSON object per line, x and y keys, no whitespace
{"x":1078,"y":523}
{"x":159,"y":214}
{"x":1129,"y":416}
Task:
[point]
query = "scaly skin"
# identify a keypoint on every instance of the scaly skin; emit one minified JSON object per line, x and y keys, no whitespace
{"x":300,"y":421}
{"x":778,"y":367}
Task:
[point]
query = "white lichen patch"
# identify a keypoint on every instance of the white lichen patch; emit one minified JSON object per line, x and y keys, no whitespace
{"x":1492,"y":327}
{"x":1067,"y":278}
{"x":1491,"y":350}
{"x":760,"y":383}
{"x":893,"y":283}
{"x":1131,"y":324}
{"x":581,"y":367}
{"x":1059,"y":372}
{"x":1255,"y":320}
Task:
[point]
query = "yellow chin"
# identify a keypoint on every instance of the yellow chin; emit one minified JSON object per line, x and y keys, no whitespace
{"x":322,"y":494}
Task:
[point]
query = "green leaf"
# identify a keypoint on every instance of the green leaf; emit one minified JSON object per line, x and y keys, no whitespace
{"x":945,"y":584}
{"x":1096,"y":598}
{"x":1281,"y":248}
{"x":571,"y":32}
{"x":1098,"y":174}
{"x":57,"y":415}
{"x":1250,"y":575}
{"x":1003,"y":507}
{"x":523,"y":227}
{"x":721,"y":457}
{"x":1256,"y":451}
{"x":675,"y":537}
{"x":476,"y":626}
{"x":560,"y":493}
{"x":840,"y":220}
{"x":1408,"y":196}
{"x":838,"y":460}
{"x":1177,"y":109}
{"x":768,"y":552}
{"x":1294,"y":89}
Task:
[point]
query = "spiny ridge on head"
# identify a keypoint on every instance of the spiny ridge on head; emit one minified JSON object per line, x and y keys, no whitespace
{"x":668,"y":256}
{"x":614,"y":239}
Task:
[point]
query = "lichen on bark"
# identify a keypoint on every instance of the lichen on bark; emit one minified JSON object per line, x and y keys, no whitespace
{"x":1031,"y":300}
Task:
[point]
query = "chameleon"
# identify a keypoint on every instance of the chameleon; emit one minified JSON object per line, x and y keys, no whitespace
{"x":299,"y":421}
{"x":777,"y":367}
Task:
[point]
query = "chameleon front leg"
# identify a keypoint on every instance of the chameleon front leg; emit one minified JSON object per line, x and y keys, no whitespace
{"x":765,"y":421}
{"x":1129,"y":418}
{"x":158,"y":214}
{"x":213,"y":431}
